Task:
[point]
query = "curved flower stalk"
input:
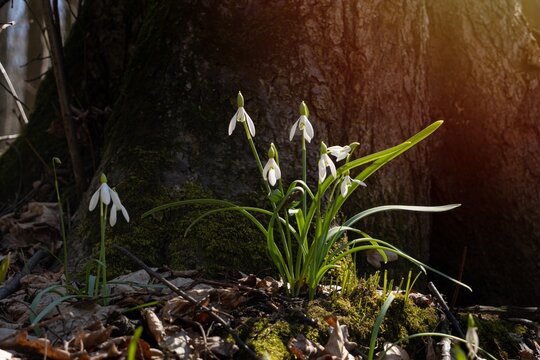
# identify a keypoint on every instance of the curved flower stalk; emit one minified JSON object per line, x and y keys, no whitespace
{"x":104,"y":195}
{"x":301,"y":237}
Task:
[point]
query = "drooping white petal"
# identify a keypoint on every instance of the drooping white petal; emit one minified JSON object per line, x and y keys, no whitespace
{"x":272,"y":176}
{"x":345,"y":186}
{"x":105,"y":193}
{"x":322,"y":170}
{"x":94,"y":200}
{"x":125,"y":213}
{"x":251,"y":125}
{"x":115,"y":199}
{"x":308,"y":129}
{"x":293,"y":129}
{"x":472,"y":341}
{"x":359,"y":182}
{"x":112,"y":219}
{"x":232,"y":124}
{"x":330,"y":163}
{"x":266,"y":168}
{"x":278,"y":171}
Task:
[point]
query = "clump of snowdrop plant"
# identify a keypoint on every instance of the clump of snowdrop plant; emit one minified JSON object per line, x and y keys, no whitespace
{"x":302,"y":238}
{"x":104,"y":195}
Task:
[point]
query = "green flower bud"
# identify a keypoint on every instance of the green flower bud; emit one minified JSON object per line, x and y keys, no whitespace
{"x":272,"y":151}
{"x":240,"y":99}
{"x":470,"y":322}
{"x":56,"y":160}
{"x":103,"y":179}
{"x":304,"y":109}
{"x":324,"y":149}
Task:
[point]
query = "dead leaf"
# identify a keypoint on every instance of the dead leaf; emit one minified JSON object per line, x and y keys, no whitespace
{"x":394,"y":352}
{"x":129,"y":282}
{"x":230,"y":299}
{"x":338,"y":345}
{"x":375,"y":259}
{"x":219,"y":346}
{"x":155,"y":326}
{"x":303,"y":348}
{"x":178,"y":343}
{"x":42,"y":347}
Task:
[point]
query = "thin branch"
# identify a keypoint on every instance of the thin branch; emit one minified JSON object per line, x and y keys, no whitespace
{"x":190,"y":299}
{"x":17,"y":101}
{"x":59,"y":74}
{"x":9,"y":137}
{"x":13,"y":284}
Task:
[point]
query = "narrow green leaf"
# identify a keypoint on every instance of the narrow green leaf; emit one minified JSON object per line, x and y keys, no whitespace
{"x":377,"y":325}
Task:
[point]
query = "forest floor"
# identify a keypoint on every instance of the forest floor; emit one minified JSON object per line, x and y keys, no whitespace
{"x":183,"y":315}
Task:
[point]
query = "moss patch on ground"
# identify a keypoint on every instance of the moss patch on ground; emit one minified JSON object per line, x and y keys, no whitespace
{"x":357,"y":311}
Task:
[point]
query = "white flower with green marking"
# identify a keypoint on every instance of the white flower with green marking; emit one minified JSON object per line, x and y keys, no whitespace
{"x":346,"y":184}
{"x":303,"y":124}
{"x":340,"y":152}
{"x":325,"y":162}
{"x":271,"y":171}
{"x":105,"y":194}
{"x":241,"y":116}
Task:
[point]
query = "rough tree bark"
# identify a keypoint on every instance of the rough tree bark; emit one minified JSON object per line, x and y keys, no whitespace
{"x":375,"y":72}
{"x":484,"y":79}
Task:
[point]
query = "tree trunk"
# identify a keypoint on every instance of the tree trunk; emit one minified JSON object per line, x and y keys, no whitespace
{"x":374,"y":72}
{"x":484,"y":80}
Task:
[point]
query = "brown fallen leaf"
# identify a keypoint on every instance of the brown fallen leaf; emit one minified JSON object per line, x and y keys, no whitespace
{"x":155,"y":326}
{"x":303,"y":348}
{"x":230,"y":299}
{"x":42,"y":347}
{"x":338,"y":344}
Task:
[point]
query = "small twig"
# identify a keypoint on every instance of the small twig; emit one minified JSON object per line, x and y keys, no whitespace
{"x":190,"y":299}
{"x":446,"y":309}
{"x":14,"y":283}
{"x":459,"y":278}
{"x":9,"y":137}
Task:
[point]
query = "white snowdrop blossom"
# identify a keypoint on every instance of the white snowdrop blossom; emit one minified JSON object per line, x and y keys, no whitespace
{"x":347,"y":182}
{"x":304,"y":126}
{"x":241,"y":116}
{"x":105,"y":194}
{"x":325,"y":162}
{"x":340,"y":152}
{"x":271,"y":171}
{"x":472,"y":338}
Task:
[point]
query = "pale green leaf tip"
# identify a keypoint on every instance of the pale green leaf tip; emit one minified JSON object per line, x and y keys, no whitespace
{"x":57,"y":160}
{"x":103,"y":179}
{"x":272,"y":151}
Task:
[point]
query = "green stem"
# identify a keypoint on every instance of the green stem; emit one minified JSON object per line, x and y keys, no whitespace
{"x":102,"y":259}
{"x":304,"y":174}
{"x":62,"y":225}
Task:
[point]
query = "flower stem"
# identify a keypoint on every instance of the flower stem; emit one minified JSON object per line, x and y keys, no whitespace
{"x":62,"y":225}
{"x":304,"y":175}
{"x":102,"y":260}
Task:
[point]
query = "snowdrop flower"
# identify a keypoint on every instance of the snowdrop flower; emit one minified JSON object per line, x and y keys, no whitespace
{"x":103,"y":193}
{"x":303,"y":124}
{"x":472,"y":337}
{"x":106,"y":194}
{"x":325,"y":162}
{"x":340,"y":152}
{"x":271,"y":171}
{"x":241,"y":116}
{"x":347,"y":182}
